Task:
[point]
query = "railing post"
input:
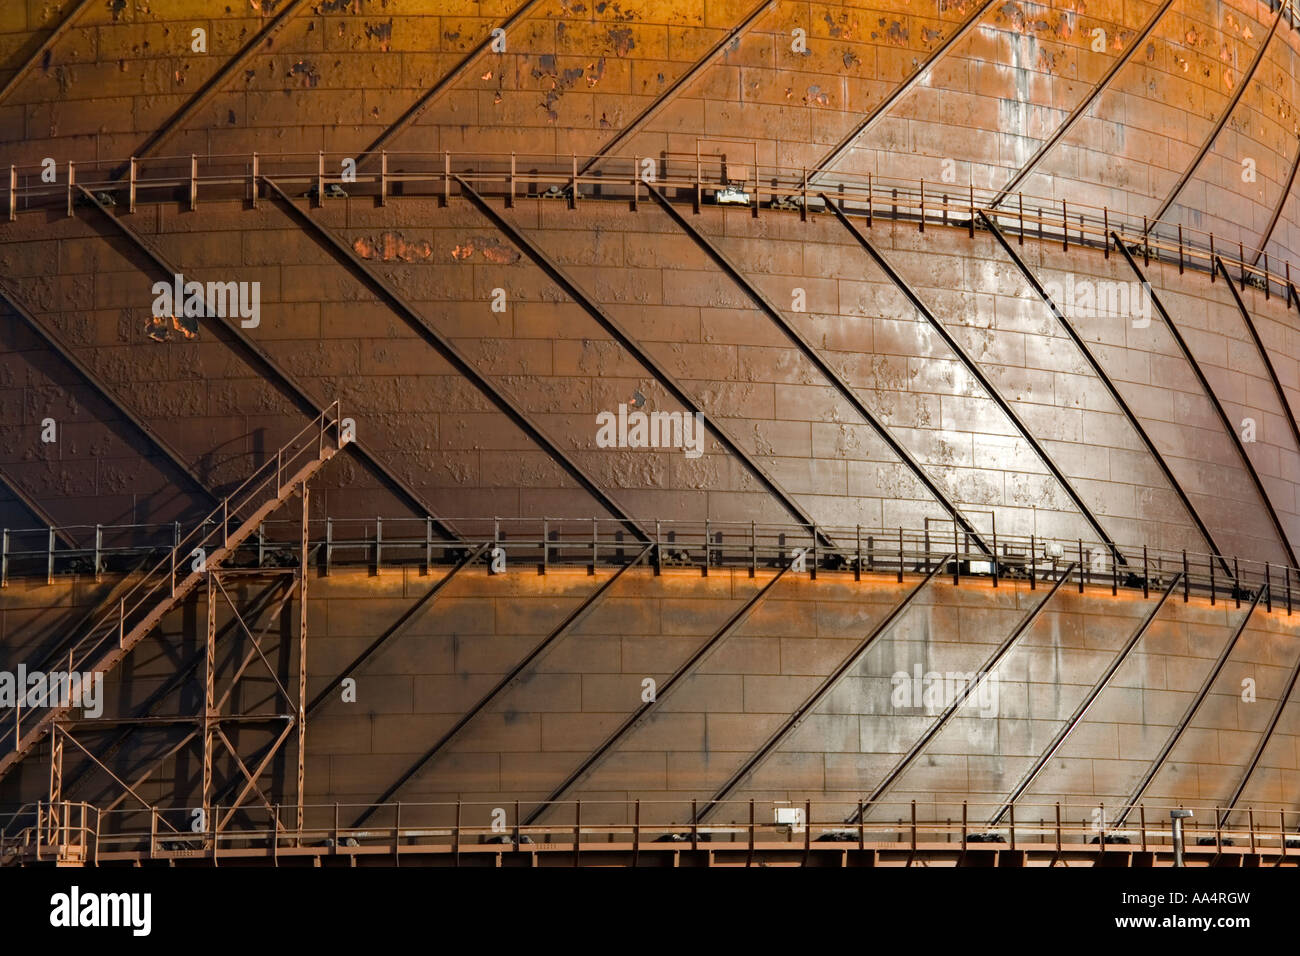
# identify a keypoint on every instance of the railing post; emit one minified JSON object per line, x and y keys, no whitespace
{"x":194,"y":181}
{"x":1105,"y":219}
{"x":446,"y":177}
{"x":320,"y":178}
{"x":379,"y":544}
{"x":510,"y":195}
{"x":428,"y":544}
{"x":72,"y":183}
{"x":131,"y":186}
{"x":383,"y":177}
{"x":753,"y":551}
{"x":49,"y":558}
{"x":4,"y":558}
{"x":255,"y":186}
{"x":857,"y":565}
{"x":13,"y":193}
{"x":99,"y":547}
{"x":329,"y":544}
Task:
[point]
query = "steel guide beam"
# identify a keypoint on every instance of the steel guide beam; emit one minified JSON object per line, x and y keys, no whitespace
{"x":985,"y":382}
{"x":636,"y":717}
{"x":214,"y":85}
{"x":884,"y":106}
{"x":1281,"y":204}
{"x":35,"y":507}
{"x":1085,"y":705}
{"x":1221,"y":122}
{"x":1109,"y":383}
{"x":824,"y":367}
{"x":396,"y":628}
{"x":177,"y":460}
{"x":283,"y":381}
{"x":1077,"y":113}
{"x":427,"y":99}
{"x":994,"y":660}
{"x":1285,"y":405}
{"x":567,"y":285}
{"x":832,"y":681}
{"x":1283,"y":699}
{"x":498,"y":396}
{"x":56,"y":34}
{"x":1186,"y":719}
{"x":1287,"y":549}
{"x":677,"y":85}
{"x":577,"y":614}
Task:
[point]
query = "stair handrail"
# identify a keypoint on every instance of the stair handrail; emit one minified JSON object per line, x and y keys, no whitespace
{"x":215,"y":525}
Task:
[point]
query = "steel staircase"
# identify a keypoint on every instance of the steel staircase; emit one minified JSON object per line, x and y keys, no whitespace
{"x":164,"y":586}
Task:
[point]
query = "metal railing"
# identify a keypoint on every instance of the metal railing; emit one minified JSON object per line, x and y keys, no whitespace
{"x":187,"y":555}
{"x":517,"y":175}
{"x":722,"y":546}
{"x":70,"y":831}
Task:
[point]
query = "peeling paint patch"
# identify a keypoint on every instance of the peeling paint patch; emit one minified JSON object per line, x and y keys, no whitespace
{"x":172,"y":329}
{"x":115,"y":7}
{"x":392,"y":247}
{"x":307,"y":71}
{"x":492,"y":249}
{"x":381,"y":32}
{"x":621,"y":40}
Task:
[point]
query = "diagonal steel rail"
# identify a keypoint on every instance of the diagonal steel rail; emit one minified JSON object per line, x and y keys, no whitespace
{"x":397,"y":627}
{"x":421,"y":105}
{"x":1287,"y":549}
{"x":1281,"y":204}
{"x":178,"y":461}
{"x":281,"y":379}
{"x":1077,"y":113}
{"x":607,"y":322}
{"x":45,"y":48}
{"x":1110,"y":385}
{"x":677,"y":85}
{"x":1285,"y":405}
{"x":685,"y":670}
{"x":1264,"y":740}
{"x":978,"y":374}
{"x":1181,"y":726}
{"x":1219,"y":124}
{"x":884,"y":106}
{"x":576,"y":615}
{"x":500,"y":397}
{"x":846,"y":391}
{"x":832,"y":681}
{"x":1084,"y":706}
{"x":994,"y":660}
{"x":215,"y":84}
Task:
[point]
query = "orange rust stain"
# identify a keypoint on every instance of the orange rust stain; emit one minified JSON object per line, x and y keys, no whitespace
{"x":392,"y":247}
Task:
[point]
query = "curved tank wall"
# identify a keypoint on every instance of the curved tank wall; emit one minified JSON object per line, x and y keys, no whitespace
{"x":772,"y":85}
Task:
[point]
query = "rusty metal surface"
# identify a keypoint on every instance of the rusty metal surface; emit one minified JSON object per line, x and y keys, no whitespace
{"x":841,"y":412}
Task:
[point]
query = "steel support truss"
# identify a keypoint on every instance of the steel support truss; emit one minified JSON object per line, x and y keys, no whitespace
{"x":213,"y":727}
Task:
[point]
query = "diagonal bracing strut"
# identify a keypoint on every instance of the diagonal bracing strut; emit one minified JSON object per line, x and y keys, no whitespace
{"x":1287,"y":549}
{"x":578,"y":613}
{"x":815,"y":358}
{"x":1181,"y":726}
{"x":284,"y":383}
{"x":607,"y":322}
{"x":978,"y":374}
{"x":1084,"y":706}
{"x":685,"y":670}
{"x":832,"y":681}
{"x":994,"y":660}
{"x":1110,"y":385}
